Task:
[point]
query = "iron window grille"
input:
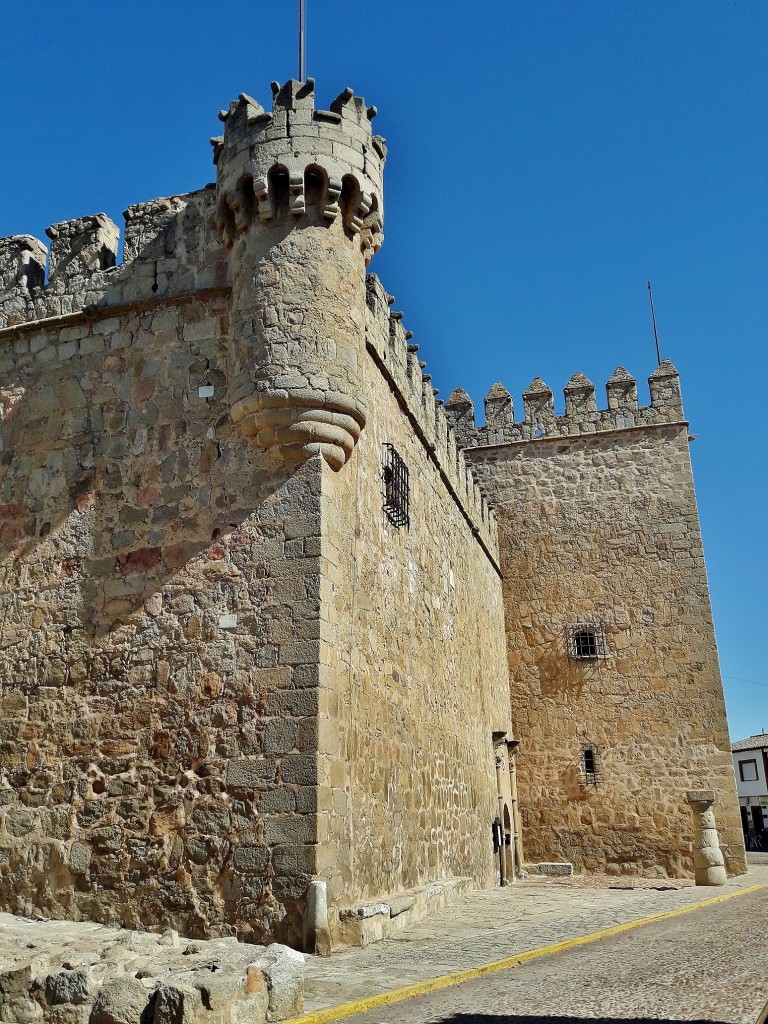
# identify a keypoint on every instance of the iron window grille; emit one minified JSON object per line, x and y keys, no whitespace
{"x":395,"y":488}
{"x":590,"y":766}
{"x":585,"y":641}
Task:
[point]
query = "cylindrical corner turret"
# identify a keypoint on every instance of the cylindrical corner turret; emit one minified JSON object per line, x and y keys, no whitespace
{"x":299,"y":200}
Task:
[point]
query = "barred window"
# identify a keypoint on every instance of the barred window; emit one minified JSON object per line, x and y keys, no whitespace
{"x":395,"y":488}
{"x":585,"y":641}
{"x":590,"y":770}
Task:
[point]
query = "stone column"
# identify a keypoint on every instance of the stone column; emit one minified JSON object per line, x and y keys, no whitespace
{"x":708,"y":863}
{"x":518,"y":837}
{"x":317,"y":935}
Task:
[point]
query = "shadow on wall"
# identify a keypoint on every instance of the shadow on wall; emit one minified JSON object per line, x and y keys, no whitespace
{"x":114,"y":490}
{"x":119,"y":462}
{"x":142,"y":613}
{"x":562,"y":676}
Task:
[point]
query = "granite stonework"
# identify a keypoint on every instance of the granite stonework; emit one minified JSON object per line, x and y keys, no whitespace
{"x":599,"y":529}
{"x":189,"y":588}
{"x":414,"y":619}
{"x":244,"y":692}
{"x":62,"y":972}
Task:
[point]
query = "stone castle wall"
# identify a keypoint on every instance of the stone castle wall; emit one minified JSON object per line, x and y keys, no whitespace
{"x":176,"y":745}
{"x":598,"y":525}
{"x":415,"y":646}
{"x":159,"y":595}
{"x":225,"y":671}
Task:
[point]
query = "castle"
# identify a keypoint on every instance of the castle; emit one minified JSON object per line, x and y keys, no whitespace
{"x":281,"y":632}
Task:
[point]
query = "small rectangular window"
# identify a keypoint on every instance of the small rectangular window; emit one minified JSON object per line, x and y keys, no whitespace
{"x":590,"y":769}
{"x":395,"y":488}
{"x":748,"y":770}
{"x":585,"y":641}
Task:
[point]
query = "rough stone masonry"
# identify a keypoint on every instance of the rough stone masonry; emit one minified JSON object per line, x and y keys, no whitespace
{"x":257,"y":616}
{"x":60,"y":972}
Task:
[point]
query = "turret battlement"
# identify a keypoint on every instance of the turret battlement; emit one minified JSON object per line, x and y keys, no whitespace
{"x":285,"y":163}
{"x":390,"y":345}
{"x":581,"y":415}
{"x":294,"y":163}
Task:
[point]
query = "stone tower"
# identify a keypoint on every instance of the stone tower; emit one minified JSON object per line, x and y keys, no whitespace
{"x":615,"y":682}
{"x":299,"y":200}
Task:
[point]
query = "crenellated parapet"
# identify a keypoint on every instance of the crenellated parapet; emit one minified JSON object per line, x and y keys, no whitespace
{"x":80,"y":251}
{"x":295,"y":160}
{"x":22,"y":262}
{"x":81,"y":247}
{"x":499,"y":407}
{"x":154,"y":230}
{"x":391,"y":347}
{"x":294,"y":217}
{"x":621,"y":390}
{"x":460,"y":410}
{"x":581,"y":415}
{"x":169,"y":249}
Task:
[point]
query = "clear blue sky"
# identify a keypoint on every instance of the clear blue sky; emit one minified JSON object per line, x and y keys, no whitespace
{"x":546,"y":158}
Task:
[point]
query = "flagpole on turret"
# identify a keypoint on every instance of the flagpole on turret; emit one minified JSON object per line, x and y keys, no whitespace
{"x":653,"y":318}
{"x":302,"y":55}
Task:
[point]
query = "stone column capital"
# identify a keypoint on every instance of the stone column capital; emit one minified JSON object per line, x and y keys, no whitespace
{"x":706,"y":797}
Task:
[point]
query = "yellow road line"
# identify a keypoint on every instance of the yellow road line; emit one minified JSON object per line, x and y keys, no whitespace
{"x":456,"y":977}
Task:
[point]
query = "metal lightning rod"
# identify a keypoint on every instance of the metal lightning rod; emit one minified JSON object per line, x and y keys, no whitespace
{"x":302,"y":54}
{"x":653,"y":317}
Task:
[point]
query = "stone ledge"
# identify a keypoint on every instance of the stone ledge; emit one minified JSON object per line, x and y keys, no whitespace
{"x":93,"y":313}
{"x":550,"y":868}
{"x":372,"y":922}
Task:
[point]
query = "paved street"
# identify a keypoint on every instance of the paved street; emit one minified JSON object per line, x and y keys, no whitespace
{"x":709,"y":965}
{"x":494,"y":924}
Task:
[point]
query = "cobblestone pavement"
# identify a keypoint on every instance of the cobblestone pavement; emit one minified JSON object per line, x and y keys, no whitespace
{"x":695,"y":967}
{"x":496,"y":923}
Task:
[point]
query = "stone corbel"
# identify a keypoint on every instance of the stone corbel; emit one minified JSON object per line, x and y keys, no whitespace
{"x":331,"y":208}
{"x":266,"y":205}
{"x":358,"y":216}
{"x":297,"y":202}
{"x":301,"y":423}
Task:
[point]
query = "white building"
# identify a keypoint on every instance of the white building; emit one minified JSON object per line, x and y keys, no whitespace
{"x":750,"y":765}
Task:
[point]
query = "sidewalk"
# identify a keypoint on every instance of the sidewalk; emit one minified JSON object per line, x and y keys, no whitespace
{"x":492,"y":924}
